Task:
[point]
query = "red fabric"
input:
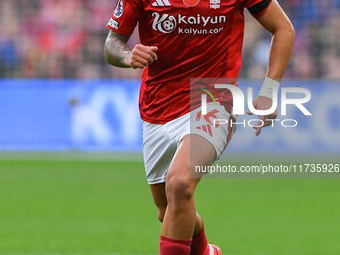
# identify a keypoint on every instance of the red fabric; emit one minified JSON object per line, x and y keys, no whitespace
{"x":259,"y":15}
{"x":204,"y":41}
{"x":170,"y":246}
{"x":199,"y":245}
{"x":250,"y":3}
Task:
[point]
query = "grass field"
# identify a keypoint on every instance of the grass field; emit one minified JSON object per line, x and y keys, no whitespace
{"x":72,"y":207}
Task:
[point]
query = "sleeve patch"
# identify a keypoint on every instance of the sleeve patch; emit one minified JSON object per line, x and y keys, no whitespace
{"x":259,"y":7}
{"x":113,"y":23}
{"x":119,"y":9}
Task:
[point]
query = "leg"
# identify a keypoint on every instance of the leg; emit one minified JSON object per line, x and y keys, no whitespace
{"x":159,"y":198}
{"x":182,"y":229}
{"x":180,"y":217}
{"x":199,"y":245}
{"x":158,"y":152}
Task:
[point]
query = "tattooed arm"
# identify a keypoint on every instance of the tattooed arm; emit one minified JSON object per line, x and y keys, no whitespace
{"x":117,"y":53}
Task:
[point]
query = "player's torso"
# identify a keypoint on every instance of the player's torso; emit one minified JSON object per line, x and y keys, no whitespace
{"x":193,"y":39}
{"x":192,"y":31}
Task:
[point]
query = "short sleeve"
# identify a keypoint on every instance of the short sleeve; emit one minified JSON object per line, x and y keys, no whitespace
{"x":125,"y":16}
{"x":257,"y":7}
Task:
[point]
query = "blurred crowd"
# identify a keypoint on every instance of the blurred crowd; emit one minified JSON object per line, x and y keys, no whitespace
{"x":64,"y":39}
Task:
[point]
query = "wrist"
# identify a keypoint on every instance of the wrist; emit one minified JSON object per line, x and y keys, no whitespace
{"x":270,"y":88}
{"x":127,"y":59}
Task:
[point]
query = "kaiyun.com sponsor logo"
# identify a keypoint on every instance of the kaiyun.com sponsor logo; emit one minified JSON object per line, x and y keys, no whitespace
{"x":166,"y":23}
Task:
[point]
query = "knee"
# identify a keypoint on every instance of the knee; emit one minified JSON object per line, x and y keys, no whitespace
{"x":179,"y":190}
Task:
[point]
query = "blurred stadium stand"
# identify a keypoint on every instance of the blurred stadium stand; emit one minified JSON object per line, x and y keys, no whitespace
{"x":57,"y":92}
{"x":64,"y":39}
{"x":56,"y":39}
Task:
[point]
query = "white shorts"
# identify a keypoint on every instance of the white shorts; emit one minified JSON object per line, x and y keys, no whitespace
{"x":160,"y":141}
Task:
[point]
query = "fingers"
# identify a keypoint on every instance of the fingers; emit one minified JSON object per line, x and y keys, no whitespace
{"x":269,"y":120}
{"x":255,"y":106}
{"x":258,"y":131}
{"x":260,"y":124}
{"x":147,"y":54}
{"x":154,"y":48}
{"x":265,"y":121}
{"x":142,"y":56}
{"x":261,"y":103}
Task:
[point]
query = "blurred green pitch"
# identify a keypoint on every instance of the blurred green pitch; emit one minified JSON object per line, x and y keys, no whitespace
{"x":72,"y":207}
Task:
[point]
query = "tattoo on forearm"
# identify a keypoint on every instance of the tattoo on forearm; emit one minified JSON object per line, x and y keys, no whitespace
{"x":116,"y":51}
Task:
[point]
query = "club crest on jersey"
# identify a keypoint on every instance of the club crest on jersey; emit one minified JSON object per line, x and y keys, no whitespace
{"x":215,"y":4}
{"x":191,"y":3}
{"x":119,"y":9}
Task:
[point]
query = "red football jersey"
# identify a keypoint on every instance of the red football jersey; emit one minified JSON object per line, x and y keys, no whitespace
{"x":195,"y":39}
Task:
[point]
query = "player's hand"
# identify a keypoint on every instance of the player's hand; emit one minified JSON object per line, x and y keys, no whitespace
{"x":141,"y":56}
{"x":263,"y":103}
